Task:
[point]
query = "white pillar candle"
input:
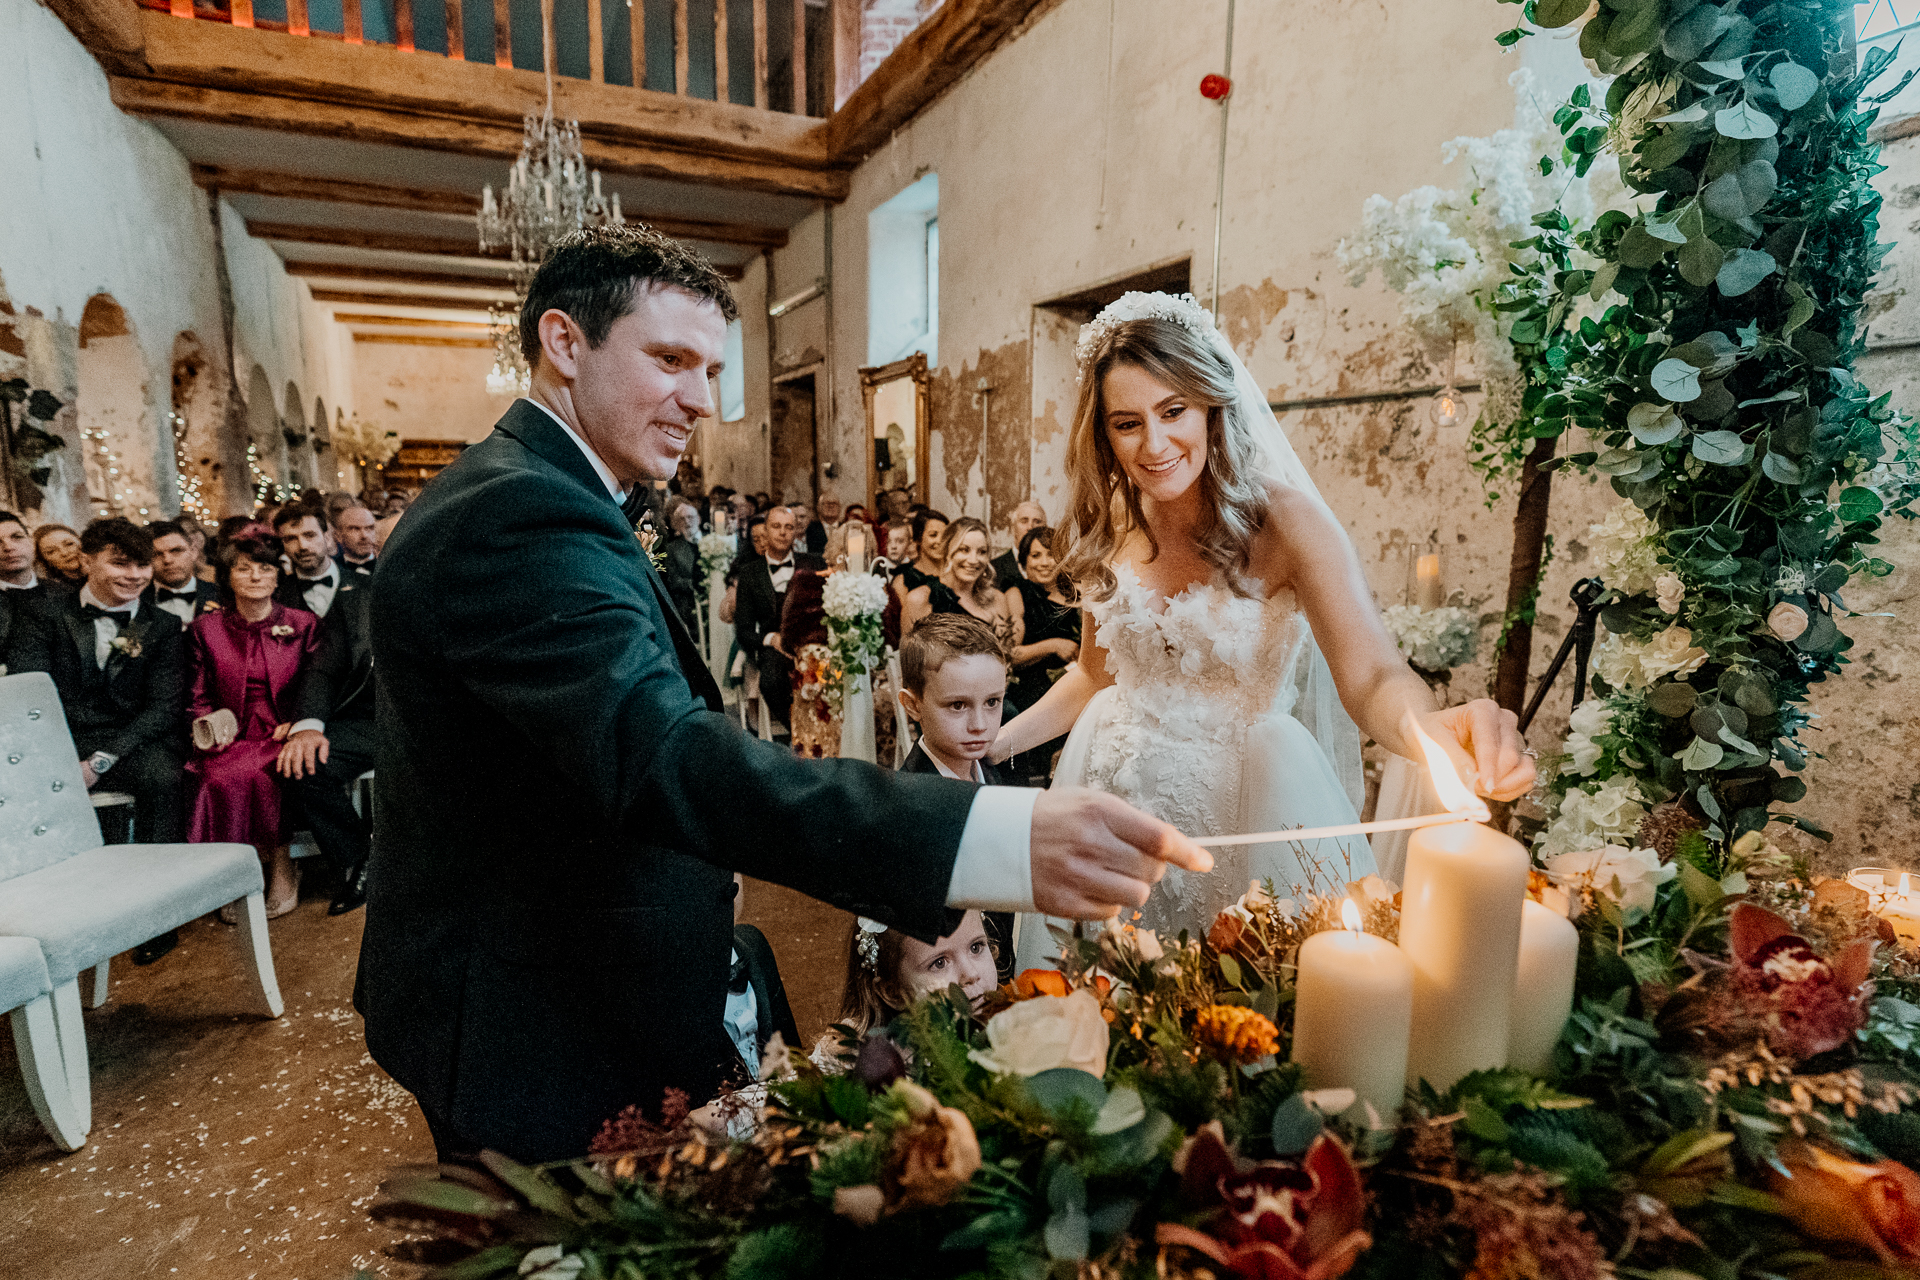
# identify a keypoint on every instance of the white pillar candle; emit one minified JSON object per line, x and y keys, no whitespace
{"x":1352,"y":1004}
{"x":1543,"y":987}
{"x":1426,"y":577}
{"x":856,"y":550}
{"x":1460,"y":928}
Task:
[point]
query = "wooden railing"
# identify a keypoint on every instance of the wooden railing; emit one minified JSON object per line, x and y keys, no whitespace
{"x":770,"y":54}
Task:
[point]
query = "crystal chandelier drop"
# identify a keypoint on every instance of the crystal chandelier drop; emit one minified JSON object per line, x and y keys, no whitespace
{"x":550,"y":194}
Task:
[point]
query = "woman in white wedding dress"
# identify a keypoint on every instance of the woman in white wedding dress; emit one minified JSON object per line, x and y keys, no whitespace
{"x":1210,"y":567}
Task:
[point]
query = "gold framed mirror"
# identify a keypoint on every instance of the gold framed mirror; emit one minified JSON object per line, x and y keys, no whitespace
{"x":899,"y":427}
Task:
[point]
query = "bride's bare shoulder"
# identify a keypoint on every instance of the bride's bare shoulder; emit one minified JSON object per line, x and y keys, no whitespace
{"x":1297,"y":523}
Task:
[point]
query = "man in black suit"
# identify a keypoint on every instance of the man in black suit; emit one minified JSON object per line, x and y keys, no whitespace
{"x":1027,"y":517}
{"x":353,"y":534}
{"x":120,"y":669}
{"x":332,"y":742}
{"x":559,"y":799}
{"x":756,"y":611}
{"x":20,"y":590}
{"x":317,"y":579}
{"x":174,"y":587}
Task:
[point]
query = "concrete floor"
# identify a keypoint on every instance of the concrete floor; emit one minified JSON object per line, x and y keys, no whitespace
{"x":226,"y":1146}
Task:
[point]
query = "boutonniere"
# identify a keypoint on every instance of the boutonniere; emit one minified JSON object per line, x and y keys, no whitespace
{"x":128,"y":645}
{"x":210,"y":606}
{"x":281,"y":632}
{"x":649,"y":539}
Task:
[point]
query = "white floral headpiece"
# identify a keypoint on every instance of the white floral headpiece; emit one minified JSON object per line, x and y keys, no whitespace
{"x":1183,"y":309}
{"x":867,"y":941}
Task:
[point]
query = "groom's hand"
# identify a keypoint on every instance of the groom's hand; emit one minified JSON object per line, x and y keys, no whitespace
{"x":1095,"y":854}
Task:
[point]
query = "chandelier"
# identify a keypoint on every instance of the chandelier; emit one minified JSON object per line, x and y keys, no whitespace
{"x":550,"y":194}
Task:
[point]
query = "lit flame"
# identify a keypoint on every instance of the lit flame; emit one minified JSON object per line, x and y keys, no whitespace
{"x":1350,"y":915}
{"x":1453,"y":793}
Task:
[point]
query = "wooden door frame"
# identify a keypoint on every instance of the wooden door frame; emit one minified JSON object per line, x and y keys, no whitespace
{"x":915,"y":367}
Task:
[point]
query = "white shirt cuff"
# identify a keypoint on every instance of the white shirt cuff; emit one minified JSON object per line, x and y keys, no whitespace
{"x":994,"y":868}
{"x":301,"y":726}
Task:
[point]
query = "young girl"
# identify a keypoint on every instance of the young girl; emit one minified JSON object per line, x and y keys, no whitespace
{"x":887,"y":971}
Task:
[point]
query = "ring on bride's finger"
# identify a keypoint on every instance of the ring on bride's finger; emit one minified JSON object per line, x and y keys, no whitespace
{"x":1532,"y":753}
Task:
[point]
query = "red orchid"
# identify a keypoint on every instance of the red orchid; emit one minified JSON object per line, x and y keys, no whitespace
{"x":1807,"y":1004}
{"x":1272,"y":1219}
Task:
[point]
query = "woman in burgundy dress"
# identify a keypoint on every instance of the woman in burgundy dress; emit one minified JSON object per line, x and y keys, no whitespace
{"x":245,"y":658}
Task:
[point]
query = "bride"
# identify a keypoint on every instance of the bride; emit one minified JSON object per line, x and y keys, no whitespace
{"x":1209,"y":567}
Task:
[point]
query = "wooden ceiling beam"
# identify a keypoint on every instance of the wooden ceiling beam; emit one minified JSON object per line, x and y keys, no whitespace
{"x":422,"y":340}
{"x":294,"y":186}
{"x":358,"y":238}
{"x":409,"y":322}
{"x":430,"y":301}
{"x":399,"y":275}
{"x":460,"y":135}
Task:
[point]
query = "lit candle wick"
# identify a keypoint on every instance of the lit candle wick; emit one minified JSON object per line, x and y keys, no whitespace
{"x":1350,"y":915}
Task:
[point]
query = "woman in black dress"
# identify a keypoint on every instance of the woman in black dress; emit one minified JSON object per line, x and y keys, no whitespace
{"x":929,"y":555}
{"x":1046,"y":638}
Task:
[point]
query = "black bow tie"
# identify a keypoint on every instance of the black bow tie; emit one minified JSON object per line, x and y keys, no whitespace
{"x":780,"y":564}
{"x":635,"y":506}
{"x":178,"y":593}
{"x":739,"y":977}
{"x":119,"y":617}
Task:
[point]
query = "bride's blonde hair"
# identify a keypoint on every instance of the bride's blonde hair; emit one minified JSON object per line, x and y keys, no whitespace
{"x":1104,"y":505}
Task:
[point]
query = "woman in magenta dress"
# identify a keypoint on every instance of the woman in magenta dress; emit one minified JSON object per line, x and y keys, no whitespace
{"x":245,"y":658}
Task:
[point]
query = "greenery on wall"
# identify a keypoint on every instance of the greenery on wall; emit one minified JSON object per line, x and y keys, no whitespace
{"x":26,"y":441}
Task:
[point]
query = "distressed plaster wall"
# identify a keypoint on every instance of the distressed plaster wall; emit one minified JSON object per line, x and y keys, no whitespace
{"x":426,"y":392}
{"x":99,"y":202}
{"x":735,"y":453}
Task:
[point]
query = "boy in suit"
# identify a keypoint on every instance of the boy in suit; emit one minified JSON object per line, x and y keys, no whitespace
{"x":953,"y":684}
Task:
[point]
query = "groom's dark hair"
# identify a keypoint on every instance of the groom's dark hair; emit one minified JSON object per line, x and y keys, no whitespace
{"x":594,"y":275}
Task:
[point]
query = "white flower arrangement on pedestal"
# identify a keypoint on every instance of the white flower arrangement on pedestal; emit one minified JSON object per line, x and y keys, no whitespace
{"x":1433,"y":639}
{"x":854,"y":603}
{"x":716,"y":553}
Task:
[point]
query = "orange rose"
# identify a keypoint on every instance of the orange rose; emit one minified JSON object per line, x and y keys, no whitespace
{"x":1833,"y":1198}
{"x":934,"y":1156}
{"x":1040,"y":982}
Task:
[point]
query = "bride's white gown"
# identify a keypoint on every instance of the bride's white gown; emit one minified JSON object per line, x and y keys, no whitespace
{"x":1197,"y":730}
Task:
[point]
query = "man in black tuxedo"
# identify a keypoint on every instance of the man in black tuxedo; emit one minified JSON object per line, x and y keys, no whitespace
{"x":332,"y":742}
{"x":756,"y":612}
{"x":21,"y":591}
{"x":353,"y":534}
{"x":317,"y":579}
{"x":559,"y":799}
{"x":1027,"y":517}
{"x":120,"y":669}
{"x":174,"y":587}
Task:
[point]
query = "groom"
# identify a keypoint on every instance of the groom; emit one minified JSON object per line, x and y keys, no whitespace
{"x":559,"y":802}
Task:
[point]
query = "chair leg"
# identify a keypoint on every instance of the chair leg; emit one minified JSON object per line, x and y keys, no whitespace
{"x":43,"y":1068}
{"x":253,"y":929}
{"x":98,"y":995}
{"x":73,"y":1047}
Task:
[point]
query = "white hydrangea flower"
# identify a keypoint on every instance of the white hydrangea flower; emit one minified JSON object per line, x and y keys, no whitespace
{"x":1610,"y":813}
{"x":852,"y":595}
{"x":1589,"y":720}
{"x":1434,"y":639}
{"x":1626,"y":550}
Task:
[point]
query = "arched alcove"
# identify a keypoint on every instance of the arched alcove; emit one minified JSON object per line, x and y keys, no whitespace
{"x":117,"y":424}
{"x":269,"y":462}
{"x":326,"y":466}
{"x":293,"y":428}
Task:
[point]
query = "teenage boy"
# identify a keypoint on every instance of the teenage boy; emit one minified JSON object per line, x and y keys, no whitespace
{"x":953,"y":684}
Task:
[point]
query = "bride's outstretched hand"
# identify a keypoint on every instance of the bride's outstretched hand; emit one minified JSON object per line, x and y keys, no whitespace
{"x":1485,"y":743}
{"x":1094,"y":854}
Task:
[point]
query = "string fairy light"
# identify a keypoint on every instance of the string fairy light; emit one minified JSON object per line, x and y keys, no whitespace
{"x":193,"y":499}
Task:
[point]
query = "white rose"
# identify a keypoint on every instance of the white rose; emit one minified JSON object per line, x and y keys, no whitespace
{"x":1147,"y":942}
{"x":1672,"y":652}
{"x":1629,"y":877}
{"x":1046,"y":1032}
{"x":1589,"y":720}
{"x":1788,"y":621}
{"x":1671,"y":591}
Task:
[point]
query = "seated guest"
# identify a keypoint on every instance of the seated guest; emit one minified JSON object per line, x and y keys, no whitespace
{"x":1006,"y":566}
{"x":120,"y":669}
{"x":174,"y":588}
{"x":1046,"y":625}
{"x":20,"y":587}
{"x":681,"y":551}
{"x":887,"y":971}
{"x":353,"y":534}
{"x":197,"y":539}
{"x":965,"y":584}
{"x":247,"y":659}
{"x":826,"y":521}
{"x":317,"y":577}
{"x":56,"y":557}
{"x":757,"y":608}
{"x":953,"y":684}
{"x":896,"y":544}
{"x":929,"y":535}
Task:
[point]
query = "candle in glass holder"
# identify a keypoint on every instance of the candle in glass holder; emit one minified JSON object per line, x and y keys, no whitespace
{"x":857,"y":550}
{"x":1352,"y":1006}
{"x":1893,"y":896}
{"x":1543,"y":986}
{"x":1426,"y":581}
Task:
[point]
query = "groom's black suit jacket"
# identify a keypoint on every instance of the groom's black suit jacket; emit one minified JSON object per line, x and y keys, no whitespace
{"x":558,"y":802}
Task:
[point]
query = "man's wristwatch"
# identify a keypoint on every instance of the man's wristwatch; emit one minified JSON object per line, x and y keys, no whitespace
{"x":100,"y":762}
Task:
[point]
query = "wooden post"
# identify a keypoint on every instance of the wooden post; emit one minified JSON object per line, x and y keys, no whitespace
{"x":502,"y":34}
{"x":456,"y":29}
{"x":637,"y":35}
{"x":722,"y":90}
{"x":242,"y":13}
{"x":759,"y":53}
{"x":349,"y":20}
{"x":403,"y":24}
{"x":680,"y":47}
{"x":799,"y":57}
{"x":846,"y":50}
{"x":297,"y":22}
{"x":1523,"y":574}
{"x":596,"y":45}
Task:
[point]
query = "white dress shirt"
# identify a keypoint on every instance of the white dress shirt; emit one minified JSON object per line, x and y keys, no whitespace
{"x":742,"y":1020}
{"x":180,"y":601}
{"x":781,"y":571}
{"x":993,"y":870}
{"x":104,"y":631}
{"x":31,"y":582}
{"x":319,"y":592}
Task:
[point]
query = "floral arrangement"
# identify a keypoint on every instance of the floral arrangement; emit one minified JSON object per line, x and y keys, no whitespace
{"x":716,"y":554}
{"x":1745,"y":1107}
{"x":854,"y":603}
{"x":365,"y":443}
{"x":816,"y":688}
{"x":1433,"y":639}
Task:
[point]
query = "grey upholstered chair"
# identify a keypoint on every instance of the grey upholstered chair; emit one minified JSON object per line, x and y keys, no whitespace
{"x":27,"y":994}
{"x":84,"y":902}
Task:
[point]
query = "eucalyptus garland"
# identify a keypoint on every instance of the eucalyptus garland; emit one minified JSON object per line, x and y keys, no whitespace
{"x":1718,"y":394}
